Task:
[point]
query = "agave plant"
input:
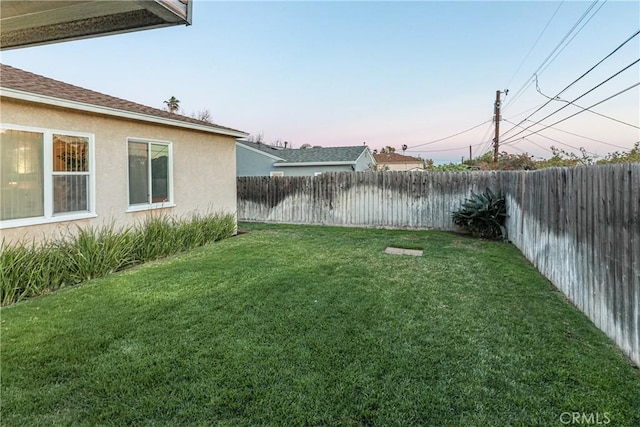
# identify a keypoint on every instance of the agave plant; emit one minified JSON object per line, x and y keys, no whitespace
{"x":483,"y":215}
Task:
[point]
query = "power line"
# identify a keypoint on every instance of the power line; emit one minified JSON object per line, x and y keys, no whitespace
{"x":579,"y":78}
{"x":589,"y":138}
{"x":518,"y":149}
{"x":572,"y":37}
{"x":550,"y":139}
{"x":526,"y":111}
{"x":557,"y":98}
{"x":538,"y":145}
{"x":581,"y":96}
{"x":487,"y":141}
{"x":451,"y":136}
{"x":575,"y":114}
{"x":535,"y":43}
{"x":529,"y":81}
{"x":519,"y":93}
{"x":466,"y":147}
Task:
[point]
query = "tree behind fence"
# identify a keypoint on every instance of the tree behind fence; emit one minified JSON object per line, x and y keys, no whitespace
{"x":580,"y":227}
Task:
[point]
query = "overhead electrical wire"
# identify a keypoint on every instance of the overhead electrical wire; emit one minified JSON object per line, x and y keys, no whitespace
{"x":571,"y":39}
{"x":450,"y":136}
{"x":589,"y":138}
{"x":488,"y":142}
{"x":575,"y":114}
{"x":512,"y":143}
{"x":557,"y":98}
{"x":535,"y":43}
{"x":581,"y":96}
{"x":579,"y":78}
{"x":526,"y":111}
{"x":485,"y":140}
{"x":443,"y":150}
{"x":518,"y":149}
{"x":466,"y":147}
{"x":538,"y":145}
{"x":527,"y":83}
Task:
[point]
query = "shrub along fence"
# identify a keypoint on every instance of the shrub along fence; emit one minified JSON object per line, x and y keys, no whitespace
{"x":580,"y":227}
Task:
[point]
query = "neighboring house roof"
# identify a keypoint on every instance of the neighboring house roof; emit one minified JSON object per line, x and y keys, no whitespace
{"x":393,"y":158}
{"x":267,"y":150}
{"x":23,"y":85}
{"x":307,"y":156}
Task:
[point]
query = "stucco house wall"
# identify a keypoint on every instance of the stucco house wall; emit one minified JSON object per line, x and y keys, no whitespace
{"x":204,"y":178}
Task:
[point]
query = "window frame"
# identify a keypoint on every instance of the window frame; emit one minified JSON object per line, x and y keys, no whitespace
{"x":48,"y":175}
{"x":170,"y":203}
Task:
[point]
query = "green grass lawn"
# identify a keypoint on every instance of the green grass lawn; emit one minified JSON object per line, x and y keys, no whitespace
{"x":289,"y":325}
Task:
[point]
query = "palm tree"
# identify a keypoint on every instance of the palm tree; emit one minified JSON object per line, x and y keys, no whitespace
{"x":173,"y":104}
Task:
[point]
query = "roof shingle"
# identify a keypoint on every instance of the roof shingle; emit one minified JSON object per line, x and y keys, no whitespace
{"x":311,"y":155}
{"x":17,"y":79}
{"x":395,"y":158}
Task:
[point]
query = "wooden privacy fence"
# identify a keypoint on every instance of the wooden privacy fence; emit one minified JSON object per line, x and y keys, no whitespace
{"x":580,"y":227}
{"x":361,"y":199}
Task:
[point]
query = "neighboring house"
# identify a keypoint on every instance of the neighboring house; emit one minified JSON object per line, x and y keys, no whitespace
{"x":398,"y":162}
{"x":256,"y":159}
{"x":70,"y":156}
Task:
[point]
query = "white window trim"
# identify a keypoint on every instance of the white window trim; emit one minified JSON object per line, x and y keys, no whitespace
{"x":49,"y":216}
{"x":139,"y":207}
{"x":276,"y":174}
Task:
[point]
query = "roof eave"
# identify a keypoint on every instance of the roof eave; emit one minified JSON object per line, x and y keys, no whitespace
{"x":239,"y":143}
{"x":340,"y":163}
{"x":91,"y":108}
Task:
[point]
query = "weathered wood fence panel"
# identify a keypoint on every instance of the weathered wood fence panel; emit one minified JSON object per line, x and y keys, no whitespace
{"x":363,"y":199}
{"x":580,"y":227}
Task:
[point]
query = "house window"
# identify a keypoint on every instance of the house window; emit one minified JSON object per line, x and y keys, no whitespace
{"x":45,"y":176}
{"x":70,"y":173}
{"x":150,"y":182}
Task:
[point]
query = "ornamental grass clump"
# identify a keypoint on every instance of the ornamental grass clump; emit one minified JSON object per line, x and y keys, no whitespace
{"x":27,"y":270}
{"x":96,"y":252}
{"x":156,"y":238}
{"x":483,"y":215}
{"x":30,"y":269}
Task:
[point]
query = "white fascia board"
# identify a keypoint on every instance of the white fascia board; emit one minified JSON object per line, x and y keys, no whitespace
{"x":81,"y":106}
{"x":313,"y":164}
{"x":240,"y":144}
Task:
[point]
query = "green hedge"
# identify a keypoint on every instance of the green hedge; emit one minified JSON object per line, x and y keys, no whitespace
{"x":27,"y":270}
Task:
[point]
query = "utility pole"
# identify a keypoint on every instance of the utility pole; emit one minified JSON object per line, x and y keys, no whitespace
{"x":470,"y":153}
{"x":496,"y":119}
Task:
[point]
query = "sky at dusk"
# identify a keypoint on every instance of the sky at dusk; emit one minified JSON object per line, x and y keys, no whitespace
{"x":382,"y":73}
